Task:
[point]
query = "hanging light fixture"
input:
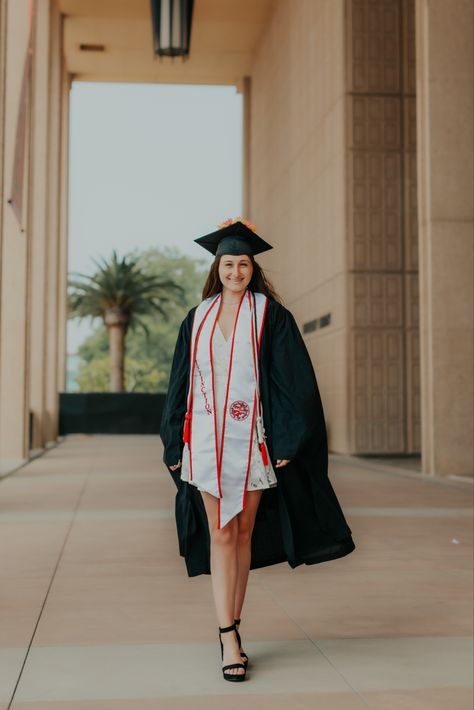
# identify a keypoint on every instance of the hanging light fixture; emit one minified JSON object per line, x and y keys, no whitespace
{"x":172,"y":27}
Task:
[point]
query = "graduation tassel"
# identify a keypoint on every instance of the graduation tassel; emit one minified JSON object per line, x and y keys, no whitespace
{"x":263,"y":451}
{"x":187,"y":420}
{"x":261,"y":440}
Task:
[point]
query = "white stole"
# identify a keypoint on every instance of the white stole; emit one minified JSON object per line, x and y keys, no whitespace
{"x":221,"y":467}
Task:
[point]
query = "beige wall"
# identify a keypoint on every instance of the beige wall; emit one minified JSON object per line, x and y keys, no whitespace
{"x":3,"y":47}
{"x":445,"y":172}
{"x":336,"y":141}
{"x":15,"y":241}
{"x":33,"y":258}
{"x":333,"y":185}
{"x":297,"y":184}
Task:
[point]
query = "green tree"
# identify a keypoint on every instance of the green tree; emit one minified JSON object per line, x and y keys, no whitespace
{"x":124,"y":293}
{"x":156,"y":347}
{"x":140,"y":376}
{"x":190,"y":274}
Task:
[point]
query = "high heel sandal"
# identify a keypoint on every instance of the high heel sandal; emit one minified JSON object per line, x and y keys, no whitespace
{"x":231,"y":676}
{"x":242,"y":653}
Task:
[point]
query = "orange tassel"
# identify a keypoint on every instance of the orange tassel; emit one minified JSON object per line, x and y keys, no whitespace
{"x":187,"y":420}
{"x":263,"y":451}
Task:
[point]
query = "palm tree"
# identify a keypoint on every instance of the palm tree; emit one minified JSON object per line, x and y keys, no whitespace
{"x":121,"y":293}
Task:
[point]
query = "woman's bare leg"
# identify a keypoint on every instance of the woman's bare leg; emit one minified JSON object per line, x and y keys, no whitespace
{"x":246,"y":521}
{"x":224,"y":567}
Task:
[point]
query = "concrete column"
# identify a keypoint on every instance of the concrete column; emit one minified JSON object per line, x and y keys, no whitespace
{"x":445,"y":177}
{"x":14,"y":258}
{"x":33,"y":256}
{"x":245,"y":88}
{"x":63,"y":234}
{"x":50,"y":420}
{"x":49,"y":193}
{"x":3,"y":48}
{"x":40,"y":235}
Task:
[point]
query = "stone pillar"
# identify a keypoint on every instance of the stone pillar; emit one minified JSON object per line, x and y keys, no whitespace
{"x":3,"y":49}
{"x":53,"y":295}
{"x":63,"y":235}
{"x":39,"y":235}
{"x":33,"y":255}
{"x":244,"y":87}
{"x":445,"y":178}
{"x":14,"y":249}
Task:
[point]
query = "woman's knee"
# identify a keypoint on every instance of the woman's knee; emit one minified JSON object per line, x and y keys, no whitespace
{"x":244,"y":532}
{"x":226,"y":536}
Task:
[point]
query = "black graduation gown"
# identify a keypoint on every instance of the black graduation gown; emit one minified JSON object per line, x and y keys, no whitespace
{"x":299,"y":520}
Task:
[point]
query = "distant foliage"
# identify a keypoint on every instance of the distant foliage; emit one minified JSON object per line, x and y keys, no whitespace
{"x":140,"y":376}
{"x":149,"y":350}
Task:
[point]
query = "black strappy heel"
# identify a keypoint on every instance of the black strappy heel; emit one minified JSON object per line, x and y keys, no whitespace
{"x":230,"y":676}
{"x":242,"y":653}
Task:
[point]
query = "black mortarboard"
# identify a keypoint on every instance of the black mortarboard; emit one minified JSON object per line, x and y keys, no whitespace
{"x":234,"y":239}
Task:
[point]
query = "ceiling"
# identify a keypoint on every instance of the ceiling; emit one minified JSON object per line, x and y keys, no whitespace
{"x":225,"y":36}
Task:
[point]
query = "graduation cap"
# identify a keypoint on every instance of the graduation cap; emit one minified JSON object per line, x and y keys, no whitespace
{"x":235,"y":237}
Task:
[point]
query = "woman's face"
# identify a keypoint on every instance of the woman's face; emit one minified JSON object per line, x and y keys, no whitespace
{"x":235,"y":272}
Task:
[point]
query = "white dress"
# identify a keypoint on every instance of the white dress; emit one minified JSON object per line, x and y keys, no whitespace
{"x":260,"y":476}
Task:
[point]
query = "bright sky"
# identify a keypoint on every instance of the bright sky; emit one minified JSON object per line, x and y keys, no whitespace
{"x":150,"y":165}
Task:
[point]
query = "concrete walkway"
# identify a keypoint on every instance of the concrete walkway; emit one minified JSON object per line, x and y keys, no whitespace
{"x":98,"y":613}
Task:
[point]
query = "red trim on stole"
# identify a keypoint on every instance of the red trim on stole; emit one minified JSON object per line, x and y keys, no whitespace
{"x":244,"y":500}
{"x":219,"y":466}
{"x":216,"y":446}
{"x":189,"y":413}
{"x":261,"y":446}
{"x":188,"y":417}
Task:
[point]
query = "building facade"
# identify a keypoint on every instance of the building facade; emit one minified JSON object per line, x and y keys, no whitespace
{"x":357,"y":166}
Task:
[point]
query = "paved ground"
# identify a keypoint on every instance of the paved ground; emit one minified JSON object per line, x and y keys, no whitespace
{"x":97,"y":612}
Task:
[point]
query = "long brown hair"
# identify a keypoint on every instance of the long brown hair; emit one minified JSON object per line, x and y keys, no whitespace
{"x":259,"y":281}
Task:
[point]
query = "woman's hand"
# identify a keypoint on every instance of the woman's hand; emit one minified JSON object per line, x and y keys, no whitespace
{"x":282,"y":462}
{"x":176,"y":465}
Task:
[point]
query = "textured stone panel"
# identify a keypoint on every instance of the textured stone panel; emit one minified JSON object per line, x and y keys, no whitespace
{"x":409,"y":123}
{"x":374,"y":45}
{"x":378,"y":383}
{"x":376,"y":211}
{"x":374,"y":122}
{"x":412,"y":301}
{"x":382,"y":223}
{"x":410,"y":212}
{"x":408,"y":45}
{"x":377,"y":300}
{"x":413,"y":443}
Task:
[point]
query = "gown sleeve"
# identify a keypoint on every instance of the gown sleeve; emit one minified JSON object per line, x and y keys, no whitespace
{"x":296,"y":408}
{"x":174,"y":410}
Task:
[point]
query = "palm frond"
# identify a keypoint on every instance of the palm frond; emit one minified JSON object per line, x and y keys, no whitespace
{"x":121,"y":283}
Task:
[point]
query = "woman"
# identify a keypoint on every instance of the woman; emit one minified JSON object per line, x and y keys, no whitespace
{"x":244,"y":437}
